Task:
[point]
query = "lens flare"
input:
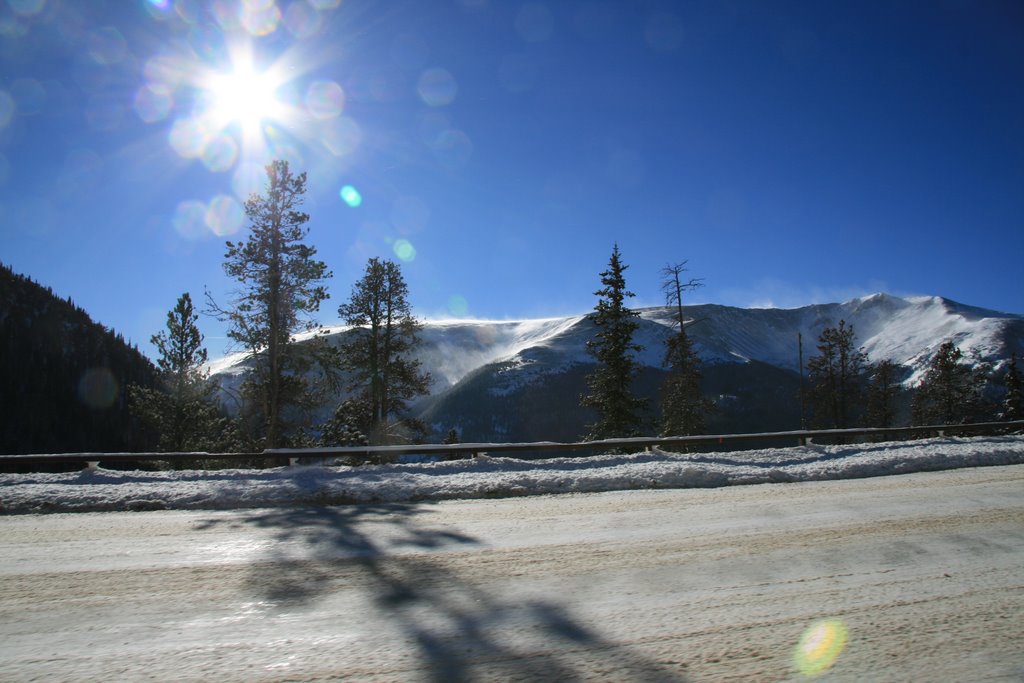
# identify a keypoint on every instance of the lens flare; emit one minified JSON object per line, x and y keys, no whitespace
{"x":220,"y":153}
{"x":189,"y":219}
{"x":224,"y":216}
{"x":437,"y":87}
{"x":458,"y":306}
{"x":259,"y":18}
{"x":153,"y":102}
{"x":98,"y":388}
{"x":820,"y":646}
{"x":26,"y":8}
{"x":206,"y":42}
{"x":351,"y":196}
{"x":226,"y":14}
{"x":190,"y":11}
{"x":324,"y":100}
{"x":248,"y":179}
{"x":165,"y":70}
{"x":302,"y":20}
{"x":341,"y":136}
{"x":452,"y":149}
{"x":404,"y":250}
{"x":107,"y":45}
{"x":188,"y":137}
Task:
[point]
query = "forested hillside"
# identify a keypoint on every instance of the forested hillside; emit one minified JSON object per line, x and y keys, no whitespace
{"x":63,"y":375}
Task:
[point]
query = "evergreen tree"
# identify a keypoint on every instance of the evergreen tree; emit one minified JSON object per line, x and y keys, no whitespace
{"x":610,"y":385}
{"x":182,"y":412}
{"x":377,"y":353}
{"x":880,"y":409}
{"x":950,"y":391}
{"x":280,"y":288}
{"x":347,"y":426}
{"x":835,"y":376}
{"x":683,"y":405}
{"x":181,"y":349}
{"x":1013,"y":402}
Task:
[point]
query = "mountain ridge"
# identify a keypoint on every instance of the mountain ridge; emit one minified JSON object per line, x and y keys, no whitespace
{"x":521,"y":379}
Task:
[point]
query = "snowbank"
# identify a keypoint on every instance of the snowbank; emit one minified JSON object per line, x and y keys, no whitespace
{"x":483,"y":477}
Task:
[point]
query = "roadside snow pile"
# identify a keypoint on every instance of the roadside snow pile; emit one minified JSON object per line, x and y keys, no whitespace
{"x":487,"y":477}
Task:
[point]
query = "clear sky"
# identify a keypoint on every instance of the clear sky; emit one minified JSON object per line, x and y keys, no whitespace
{"x":793,"y":152}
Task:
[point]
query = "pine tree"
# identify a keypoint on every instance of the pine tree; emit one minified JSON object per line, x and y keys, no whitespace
{"x":280,"y":288}
{"x":950,"y":391}
{"x":347,"y":426}
{"x":377,"y":353}
{"x":835,"y":376}
{"x":181,"y":349}
{"x":683,"y":405}
{"x":183,"y":412}
{"x":880,"y":408}
{"x":1013,"y":402}
{"x":610,"y":385}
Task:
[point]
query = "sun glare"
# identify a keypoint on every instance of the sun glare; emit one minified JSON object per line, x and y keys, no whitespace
{"x":245,"y":96}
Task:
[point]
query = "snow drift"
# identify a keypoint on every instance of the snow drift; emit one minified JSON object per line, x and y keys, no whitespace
{"x":482,"y":477}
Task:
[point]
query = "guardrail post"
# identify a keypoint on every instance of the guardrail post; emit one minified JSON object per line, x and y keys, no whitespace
{"x":92,"y":464}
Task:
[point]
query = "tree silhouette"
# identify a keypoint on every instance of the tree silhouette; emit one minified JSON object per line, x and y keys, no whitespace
{"x":950,"y":391}
{"x":183,"y":411}
{"x":834,"y":376}
{"x":610,"y":384}
{"x":280,"y":289}
{"x":880,"y":404}
{"x":377,"y":354}
{"x":683,"y":405}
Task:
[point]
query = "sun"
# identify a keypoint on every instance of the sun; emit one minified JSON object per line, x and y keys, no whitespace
{"x":244,"y":95}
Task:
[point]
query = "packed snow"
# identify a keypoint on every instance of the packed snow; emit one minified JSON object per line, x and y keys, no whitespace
{"x":488,"y":477}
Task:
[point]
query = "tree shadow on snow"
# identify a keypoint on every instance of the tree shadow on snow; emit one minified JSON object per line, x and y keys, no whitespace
{"x":460,"y":631}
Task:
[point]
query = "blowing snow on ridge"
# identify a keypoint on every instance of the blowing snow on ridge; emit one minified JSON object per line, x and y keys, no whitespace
{"x":520,"y":379}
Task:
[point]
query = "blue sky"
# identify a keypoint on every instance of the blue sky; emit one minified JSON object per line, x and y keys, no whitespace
{"x":792,"y":152}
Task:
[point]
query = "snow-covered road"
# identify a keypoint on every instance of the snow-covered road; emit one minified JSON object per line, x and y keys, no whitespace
{"x":924,"y":572}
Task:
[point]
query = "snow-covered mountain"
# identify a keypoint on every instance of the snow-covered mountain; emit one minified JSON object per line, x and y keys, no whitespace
{"x":520,"y":380}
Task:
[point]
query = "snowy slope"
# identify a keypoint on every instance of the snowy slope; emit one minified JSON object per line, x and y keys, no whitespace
{"x":907,"y":331}
{"x":511,"y":370}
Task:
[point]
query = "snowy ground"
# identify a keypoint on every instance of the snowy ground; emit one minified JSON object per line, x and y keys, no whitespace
{"x":486,"y":477}
{"x":918,"y":577}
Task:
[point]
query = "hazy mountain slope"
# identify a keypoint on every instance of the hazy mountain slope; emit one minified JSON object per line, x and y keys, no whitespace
{"x":906,"y":331}
{"x":521,"y":380}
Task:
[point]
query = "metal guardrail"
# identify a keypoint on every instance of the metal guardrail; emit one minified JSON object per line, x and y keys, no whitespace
{"x":291,"y":455}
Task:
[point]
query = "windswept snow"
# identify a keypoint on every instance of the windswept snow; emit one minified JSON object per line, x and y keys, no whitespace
{"x":907,"y":331}
{"x":488,"y":477}
{"x":451,"y":349}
